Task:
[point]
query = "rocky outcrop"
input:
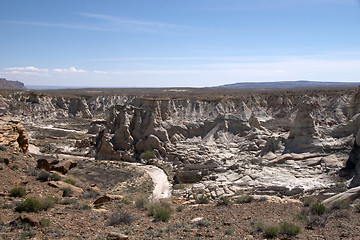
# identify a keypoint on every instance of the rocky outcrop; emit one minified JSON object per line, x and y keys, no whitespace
{"x":13,"y":85}
{"x":303,"y":132}
{"x":13,"y":134}
{"x":352,"y":167}
{"x":62,"y":167}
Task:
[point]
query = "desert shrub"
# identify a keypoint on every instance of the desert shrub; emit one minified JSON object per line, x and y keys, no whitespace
{"x":67,"y":192}
{"x":48,"y":202}
{"x":318,"y":208}
{"x":180,"y":208}
{"x":32,"y":171}
{"x":43,"y":176}
{"x":141,"y":203}
{"x":45,"y":222}
{"x":340,"y":205}
{"x":357,"y":207}
{"x":29,"y":205}
{"x":17,"y":192}
{"x":27,"y":234}
{"x":229,"y":231}
{"x":316,"y":221}
{"x":70,"y":181}
{"x":289,"y":229}
{"x":90,"y":194}
{"x":244,"y":199}
{"x":224,"y":201}
{"x":202,"y":199}
{"x":147,"y":155}
{"x":3,"y":148}
{"x":125,"y":201}
{"x":202,"y":223}
{"x":14,"y":167}
{"x":308,"y":201}
{"x":257,"y":227}
{"x":54,"y":177}
{"x":120,"y":217}
{"x":160,"y":211}
{"x":271,"y":231}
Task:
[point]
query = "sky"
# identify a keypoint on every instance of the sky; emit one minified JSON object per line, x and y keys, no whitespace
{"x":178,"y":43}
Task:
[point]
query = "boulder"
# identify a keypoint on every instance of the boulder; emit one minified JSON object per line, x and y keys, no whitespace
{"x":64,"y":167}
{"x":43,"y":164}
{"x":347,"y":196}
{"x":76,"y":191}
{"x":27,"y":219}
{"x":116,"y":236}
{"x":101,"y":200}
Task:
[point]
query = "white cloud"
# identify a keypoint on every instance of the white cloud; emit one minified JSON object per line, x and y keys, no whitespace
{"x":100,"y":72}
{"x":69,"y":70}
{"x":33,"y":69}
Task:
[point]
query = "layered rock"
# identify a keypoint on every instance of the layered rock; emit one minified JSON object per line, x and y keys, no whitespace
{"x":13,"y":134}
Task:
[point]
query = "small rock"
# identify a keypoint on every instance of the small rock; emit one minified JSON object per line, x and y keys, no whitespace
{"x":43,"y":164}
{"x":101,"y":200}
{"x":26,"y":218}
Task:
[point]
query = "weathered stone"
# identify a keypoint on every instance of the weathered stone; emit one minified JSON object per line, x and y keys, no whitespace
{"x":347,"y":196}
{"x":75,"y":191}
{"x":64,"y":167}
{"x":43,"y":164}
{"x":101,"y":200}
{"x":117,"y":236}
{"x":27,"y":219}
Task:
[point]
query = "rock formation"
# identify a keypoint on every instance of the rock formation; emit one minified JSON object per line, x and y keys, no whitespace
{"x":13,"y":134}
{"x":13,"y":85}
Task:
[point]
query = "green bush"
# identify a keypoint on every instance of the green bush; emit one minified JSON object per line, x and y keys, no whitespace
{"x":48,"y":202}
{"x":160,"y":211}
{"x":45,"y":222}
{"x":3,"y":148}
{"x":147,"y":155}
{"x":43,"y":176}
{"x":17,"y":192}
{"x":125,"y":201}
{"x":14,"y":167}
{"x":141,"y":203}
{"x":29,"y":205}
{"x":257,"y":227}
{"x":229,"y":231}
{"x":224,"y":201}
{"x":54,"y":177}
{"x":271,"y":231}
{"x":309,"y":201}
{"x":340,"y":205}
{"x":289,"y":229}
{"x":70,"y":181}
{"x":244,"y":199}
{"x":318,"y":208}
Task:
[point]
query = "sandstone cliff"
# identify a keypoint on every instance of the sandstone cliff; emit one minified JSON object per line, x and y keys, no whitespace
{"x":13,"y":134}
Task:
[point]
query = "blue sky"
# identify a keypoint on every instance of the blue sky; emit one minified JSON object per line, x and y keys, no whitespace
{"x":168,"y":43}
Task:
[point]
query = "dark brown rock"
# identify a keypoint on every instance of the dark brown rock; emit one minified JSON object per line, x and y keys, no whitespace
{"x":64,"y":167}
{"x":101,"y":200}
{"x":43,"y":164}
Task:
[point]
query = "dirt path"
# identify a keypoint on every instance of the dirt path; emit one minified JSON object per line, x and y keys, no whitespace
{"x":162,"y":186}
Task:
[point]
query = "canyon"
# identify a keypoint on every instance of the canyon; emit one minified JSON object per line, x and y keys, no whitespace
{"x":210,"y":142}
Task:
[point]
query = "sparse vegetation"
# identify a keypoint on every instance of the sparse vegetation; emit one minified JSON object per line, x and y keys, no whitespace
{"x":3,"y":148}
{"x":224,"y":201}
{"x":120,"y":217}
{"x":17,"y":192}
{"x":271,"y":231}
{"x":32,"y":171}
{"x":147,"y":155}
{"x":340,"y":205}
{"x":54,"y":177}
{"x":229,"y":231}
{"x":244,"y":199}
{"x":160,"y":211}
{"x":29,"y":205}
{"x":357,"y":207}
{"x":14,"y":167}
{"x":45,"y":222}
{"x":180,"y":208}
{"x":318,"y":208}
{"x":289,"y":229}
{"x":141,"y":203}
{"x":67,"y":192}
{"x":43,"y":176}
{"x":70,"y":181}
{"x":90,"y":194}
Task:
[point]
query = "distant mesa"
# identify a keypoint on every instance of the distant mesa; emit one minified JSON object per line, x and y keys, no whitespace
{"x":7,"y":84}
{"x":289,"y":84}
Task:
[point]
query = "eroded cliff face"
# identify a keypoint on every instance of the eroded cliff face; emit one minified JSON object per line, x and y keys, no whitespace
{"x":285,"y":143}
